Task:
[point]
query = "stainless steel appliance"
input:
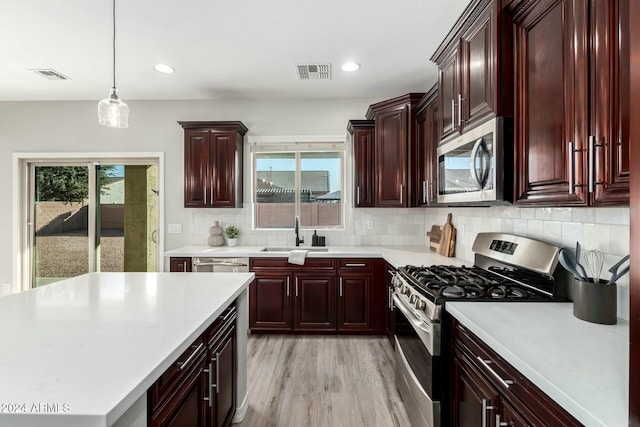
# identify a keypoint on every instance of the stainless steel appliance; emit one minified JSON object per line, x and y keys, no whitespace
{"x":506,"y":268}
{"x":220,"y":265}
{"x":476,"y":167}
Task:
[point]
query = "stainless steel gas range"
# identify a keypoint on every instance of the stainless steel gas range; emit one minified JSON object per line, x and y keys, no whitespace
{"x":506,"y":268}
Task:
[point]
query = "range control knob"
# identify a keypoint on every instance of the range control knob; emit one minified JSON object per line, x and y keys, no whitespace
{"x":413,"y":299}
{"x":405,"y":290}
{"x":420,"y":304}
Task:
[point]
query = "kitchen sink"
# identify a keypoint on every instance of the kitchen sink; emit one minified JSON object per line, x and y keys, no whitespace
{"x":292,"y":248}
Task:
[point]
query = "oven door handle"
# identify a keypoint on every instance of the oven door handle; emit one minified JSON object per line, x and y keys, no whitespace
{"x":477,"y":147}
{"x":411,"y":317}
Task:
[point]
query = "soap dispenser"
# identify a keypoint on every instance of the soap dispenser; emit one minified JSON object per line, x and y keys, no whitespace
{"x":314,"y":238}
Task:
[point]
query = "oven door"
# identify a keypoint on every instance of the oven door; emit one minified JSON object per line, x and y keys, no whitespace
{"x":418,"y":372}
{"x":470,"y":166}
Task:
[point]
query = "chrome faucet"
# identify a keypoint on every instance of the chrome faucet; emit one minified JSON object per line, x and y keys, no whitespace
{"x":297,"y":229}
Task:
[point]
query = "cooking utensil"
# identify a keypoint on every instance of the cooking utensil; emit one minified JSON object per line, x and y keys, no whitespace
{"x":579,"y":266}
{"x":568,"y":261}
{"x":594,"y":261}
{"x":615,"y":274}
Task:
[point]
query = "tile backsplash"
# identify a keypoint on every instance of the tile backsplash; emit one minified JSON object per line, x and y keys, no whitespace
{"x":605,"y":229}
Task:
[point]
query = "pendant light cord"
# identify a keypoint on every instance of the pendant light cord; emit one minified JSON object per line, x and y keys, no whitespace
{"x":114,"y":44}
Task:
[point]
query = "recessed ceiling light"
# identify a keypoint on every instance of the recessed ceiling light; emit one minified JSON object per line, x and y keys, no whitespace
{"x":163,"y":68}
{"x":350,"y":66}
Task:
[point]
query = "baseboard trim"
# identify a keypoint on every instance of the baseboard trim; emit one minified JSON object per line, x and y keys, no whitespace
{"x":241,"y":410}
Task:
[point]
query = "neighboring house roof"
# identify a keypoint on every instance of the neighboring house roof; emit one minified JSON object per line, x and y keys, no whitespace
{"x":315,"y":181}
{"x":334,"y":195}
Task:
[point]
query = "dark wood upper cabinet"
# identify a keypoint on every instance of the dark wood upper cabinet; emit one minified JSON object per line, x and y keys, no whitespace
{"x":425,"y":160}
{"x":362,"y":136}
{"x":395,"y":134}
{"x":213,"y":157}
{"x":475,"y":69}
{"x":572,"y":109}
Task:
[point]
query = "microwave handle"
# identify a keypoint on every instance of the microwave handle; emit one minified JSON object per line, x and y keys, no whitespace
{"x":479,"y":145}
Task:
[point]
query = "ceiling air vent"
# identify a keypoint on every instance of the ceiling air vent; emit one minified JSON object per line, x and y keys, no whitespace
{"x":313,"y":71}
{"x":51,"y":74}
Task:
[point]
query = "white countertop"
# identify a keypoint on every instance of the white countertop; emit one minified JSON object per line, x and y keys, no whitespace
{"x":90,"y":346}
{"x":397,"y":256}
{"x":583,"y":366}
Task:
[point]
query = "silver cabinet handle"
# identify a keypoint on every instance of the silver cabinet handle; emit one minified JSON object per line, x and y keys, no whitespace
{"x":358,"y":195}
{"x":424,"y":191}
{"x":460,"y":120}
{"x":296,"y":287}
{"x":182,"y":365}
{"x":204,"y":194}
{"x":571,"y":169}
{"x":485,"y":408}
{"x":341,"y":285}
{"x":211,"y":194}
{"x":400,"y":193}
{"x":485,"y":363}
{"x":453,"y":114}
{"x":592,"y":146}
{"x":499,"y":422}
{"x":217,"y":360}
{"x":355,"y":265}
{"x":288,"y":281}
{"x":208,"y":398}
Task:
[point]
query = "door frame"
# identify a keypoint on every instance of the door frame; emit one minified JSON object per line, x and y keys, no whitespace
{"x":21,"y":205}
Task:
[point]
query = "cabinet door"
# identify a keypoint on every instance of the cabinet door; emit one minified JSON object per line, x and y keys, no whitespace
{"x":476,"y":102}
{"x":270,"y":301}
{"x":180,"y":264}
{"x":315,"y":302}
{"x":196,"y":168}
{"x":363,"y":156}
{"x":354,"y":302}
{"x":610,"y":103}
{"x":427,"y":145}
{"x":551,"y":71}
{"x":448,"y":90}
{"x":223,"y":370}
{"x":187,"y":407}
{"x":391,"y":158}
{"x":474,"y":400}
{"x":223,"y":162}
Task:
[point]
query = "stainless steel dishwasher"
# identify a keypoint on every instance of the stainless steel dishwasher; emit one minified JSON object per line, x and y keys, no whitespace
{"x":220,"y":265}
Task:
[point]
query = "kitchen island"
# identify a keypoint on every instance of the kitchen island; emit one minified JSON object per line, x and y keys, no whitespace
{"x":84,"y":351}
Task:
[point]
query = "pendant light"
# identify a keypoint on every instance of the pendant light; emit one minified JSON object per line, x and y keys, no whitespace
{"x":112,"y":111}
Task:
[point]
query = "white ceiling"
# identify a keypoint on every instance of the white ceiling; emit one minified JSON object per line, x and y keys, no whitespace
{"x":220,"y":48}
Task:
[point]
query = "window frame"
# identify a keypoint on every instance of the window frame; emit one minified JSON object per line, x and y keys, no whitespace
{"x":297,"y":148}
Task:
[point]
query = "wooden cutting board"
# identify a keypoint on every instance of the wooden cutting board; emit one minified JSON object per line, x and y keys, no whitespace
{"x":434,"y":238}
{"x":448,"y":238}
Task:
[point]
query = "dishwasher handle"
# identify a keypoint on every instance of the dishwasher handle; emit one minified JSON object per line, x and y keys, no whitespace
{"x":199,"y":263}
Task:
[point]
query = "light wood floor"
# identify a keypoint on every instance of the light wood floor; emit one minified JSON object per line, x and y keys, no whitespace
{"x":336,"y":381}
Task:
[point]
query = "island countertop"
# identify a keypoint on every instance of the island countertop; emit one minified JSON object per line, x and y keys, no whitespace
{"x":80,"y":352}
{"x":583,"y":366}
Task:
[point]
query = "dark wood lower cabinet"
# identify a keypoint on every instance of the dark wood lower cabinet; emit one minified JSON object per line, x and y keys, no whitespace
{"x":487,"y":391}
{"x":199,"y":389}
{"x":327,"y":296}
{"x":314,"y":307}
{"x":354,"y":301}
{"x":180,"y":264}
{"x":270,"y":293}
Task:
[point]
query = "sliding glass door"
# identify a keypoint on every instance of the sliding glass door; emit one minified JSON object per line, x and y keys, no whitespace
{"x":87,"y":216}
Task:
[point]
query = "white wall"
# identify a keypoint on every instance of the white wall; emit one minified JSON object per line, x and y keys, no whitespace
{"x":73,"y":127}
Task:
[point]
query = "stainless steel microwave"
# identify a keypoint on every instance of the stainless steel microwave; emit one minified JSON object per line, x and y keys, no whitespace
{"x":476,"y":168}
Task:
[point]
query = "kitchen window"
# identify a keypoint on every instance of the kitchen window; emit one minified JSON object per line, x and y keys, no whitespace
{"x":304,"y":180}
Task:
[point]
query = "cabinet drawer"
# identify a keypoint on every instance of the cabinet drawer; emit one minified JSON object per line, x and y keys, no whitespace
{"x":283,"y":263}
{"x":356,"y":264}
{"x":178,"y":372}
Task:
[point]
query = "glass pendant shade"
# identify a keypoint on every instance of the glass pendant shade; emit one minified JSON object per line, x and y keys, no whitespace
{"x":113,"y":112}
